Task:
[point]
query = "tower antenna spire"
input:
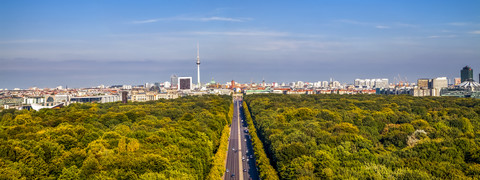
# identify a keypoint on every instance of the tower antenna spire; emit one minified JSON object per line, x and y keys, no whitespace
{"x":198,"y":65}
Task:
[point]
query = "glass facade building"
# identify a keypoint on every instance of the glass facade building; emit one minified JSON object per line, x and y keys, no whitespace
{"x":466,"y":74}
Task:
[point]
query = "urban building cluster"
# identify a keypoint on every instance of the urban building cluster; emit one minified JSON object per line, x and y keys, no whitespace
{"x":429,"y":87}
{"x":467,"y":87}
{"x":440,"y":86}
{"x":178,"y":86}
{"x":35,"y":98}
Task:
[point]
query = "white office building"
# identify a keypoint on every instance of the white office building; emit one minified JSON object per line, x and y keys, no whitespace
{"x":371,"y":83}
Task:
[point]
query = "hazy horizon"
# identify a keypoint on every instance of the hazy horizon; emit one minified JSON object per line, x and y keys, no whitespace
{"x":88,"y":43}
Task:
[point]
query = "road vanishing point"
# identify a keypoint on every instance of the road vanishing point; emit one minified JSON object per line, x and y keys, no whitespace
{"x":241,"y":162}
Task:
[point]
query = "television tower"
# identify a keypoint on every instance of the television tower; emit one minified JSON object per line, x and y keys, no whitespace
{"x":198,"y":66}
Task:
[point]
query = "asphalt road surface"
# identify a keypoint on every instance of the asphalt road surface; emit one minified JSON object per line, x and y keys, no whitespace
{"x":240,"y":158}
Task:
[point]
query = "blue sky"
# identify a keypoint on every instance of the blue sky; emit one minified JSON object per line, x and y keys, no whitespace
{"x":88,"y":43}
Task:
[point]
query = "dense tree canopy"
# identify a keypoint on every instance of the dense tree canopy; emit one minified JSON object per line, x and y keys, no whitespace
{"x":165,"y":139}
{"x":369,"y":136}
{"x":265,"y":169}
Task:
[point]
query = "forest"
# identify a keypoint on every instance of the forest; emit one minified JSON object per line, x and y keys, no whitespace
{"x":265,"y":169}
{"x":368,"y":136}
{"x":165,"y":139}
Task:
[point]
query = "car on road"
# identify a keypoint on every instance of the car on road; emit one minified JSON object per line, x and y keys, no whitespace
{"x":243,"y":158}
{"x":228,"y":171}
{"x":233,"y":175}
{"x":244,"y":170}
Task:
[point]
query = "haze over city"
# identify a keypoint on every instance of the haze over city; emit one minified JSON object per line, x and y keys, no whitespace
{"x":88,"y":43}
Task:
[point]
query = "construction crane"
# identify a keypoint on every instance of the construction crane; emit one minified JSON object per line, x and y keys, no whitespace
{"x":401,"y":81}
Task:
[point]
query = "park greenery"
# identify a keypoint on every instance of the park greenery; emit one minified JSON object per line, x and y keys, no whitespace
{"x":368,"y":136}
{"x":265,"y":169}
{"x":164,"y":139}
{"x":219,"y":161}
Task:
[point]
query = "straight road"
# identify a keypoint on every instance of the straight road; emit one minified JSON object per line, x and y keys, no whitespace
{"x":240,"y":158}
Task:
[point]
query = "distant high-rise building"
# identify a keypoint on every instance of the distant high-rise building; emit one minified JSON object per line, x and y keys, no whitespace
{"x":335,"y":84}
{"x":166,"y":84}
{"x":457,"y":81}
{"x":422,"y":83}
{"x":466,"y":74}
{"x":438,"y":84}
{"x":184,"y":83}
{"x":148,"y":85}
{"x":174,"y":81}
{"x":371,"y":83}
{"x":325,"y":84}
{"x":124,"y":97}
{"x":232,"y":85}
{"x":358,"y":83}
{"x":292,"y":84}
{"x":381,"y":83}
{"x":300,"y":84}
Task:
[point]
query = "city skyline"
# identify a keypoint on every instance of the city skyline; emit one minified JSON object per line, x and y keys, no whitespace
{"x":51,"y":43}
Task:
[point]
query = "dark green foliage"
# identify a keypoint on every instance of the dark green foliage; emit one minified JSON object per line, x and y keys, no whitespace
{"x":369,"y":136}
{"x":265,"y":169}
{"x":165,"y":139}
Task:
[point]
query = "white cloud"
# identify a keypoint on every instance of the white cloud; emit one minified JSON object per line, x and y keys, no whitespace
{"x":446,"y":36}
{"x":387,"y":25}
{"x":458,"y":23}
{"x":146,"y":21}
{"x":22,"y":41}
{"x":242,"y":33}
{"x":223,"y":19}
{"x":38,"y":41}
{"x":199,"y":19}
{"x":475,"y":32}
{"x":382,"y":27}
{"x":280,"y":46}
{"x":348,"y":21}
{"x":406,"y":25}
